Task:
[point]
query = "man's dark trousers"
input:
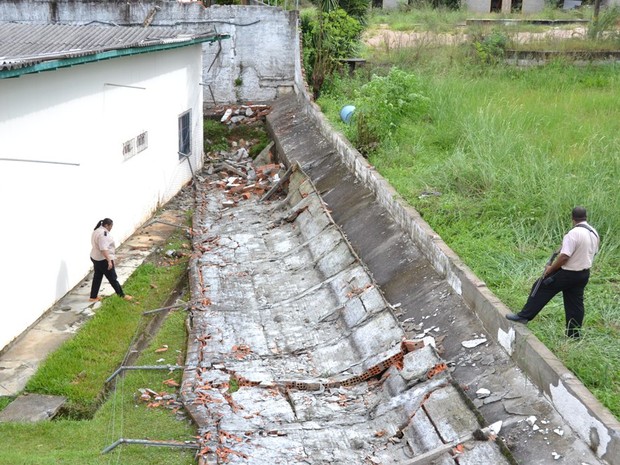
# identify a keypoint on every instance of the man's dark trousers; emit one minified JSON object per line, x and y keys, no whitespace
{"x":571,"y":284}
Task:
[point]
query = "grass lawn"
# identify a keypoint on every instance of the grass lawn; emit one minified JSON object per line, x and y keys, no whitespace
{"x":78,"y":370}
{"x":496,"y":165}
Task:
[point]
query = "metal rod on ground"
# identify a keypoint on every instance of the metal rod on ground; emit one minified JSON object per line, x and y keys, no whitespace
{"x":279,"y":184}
{"x":170,"y":307}
{"x":145,"y":367}
{"x":146,"y":442}
{"x":165,"y":222}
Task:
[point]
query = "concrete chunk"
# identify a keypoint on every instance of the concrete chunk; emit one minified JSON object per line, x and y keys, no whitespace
{"x":32,"y":408}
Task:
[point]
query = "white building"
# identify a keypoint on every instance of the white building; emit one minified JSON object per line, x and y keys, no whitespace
{"x":92,"y":123}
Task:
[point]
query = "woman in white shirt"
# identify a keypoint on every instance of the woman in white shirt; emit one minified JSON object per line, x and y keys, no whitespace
{"x":103,"y":255}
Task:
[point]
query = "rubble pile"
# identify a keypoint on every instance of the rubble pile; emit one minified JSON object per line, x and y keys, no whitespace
{"x":242,"y":114}
{"x":236,"y":171}
{"x":241,"y":180}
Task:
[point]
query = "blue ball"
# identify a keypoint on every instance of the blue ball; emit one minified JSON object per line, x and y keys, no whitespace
{"x":347,"y":113}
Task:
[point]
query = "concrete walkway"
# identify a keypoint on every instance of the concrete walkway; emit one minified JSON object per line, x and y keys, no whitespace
{"x":20,"y":360}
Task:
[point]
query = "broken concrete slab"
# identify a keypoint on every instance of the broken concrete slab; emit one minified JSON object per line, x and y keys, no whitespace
{"x":32,"y":408}
{"x":412,"y":266}
{"x":293,"y":347}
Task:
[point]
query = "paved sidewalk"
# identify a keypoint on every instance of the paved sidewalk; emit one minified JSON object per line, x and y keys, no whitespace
{"x":20,"y":360}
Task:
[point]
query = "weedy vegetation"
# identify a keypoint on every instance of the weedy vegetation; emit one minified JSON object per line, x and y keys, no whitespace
{"x":494,"y":157}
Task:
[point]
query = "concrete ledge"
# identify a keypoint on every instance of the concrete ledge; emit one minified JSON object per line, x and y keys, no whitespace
{"x":581,"y":410}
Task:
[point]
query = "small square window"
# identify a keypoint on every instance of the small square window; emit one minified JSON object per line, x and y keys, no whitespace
{"x":129,"y":148}
{"x":142,"y":141}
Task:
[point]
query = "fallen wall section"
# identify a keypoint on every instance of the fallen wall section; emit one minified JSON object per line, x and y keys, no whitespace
{"x":296,"y":357}
{"x":581,"y":410}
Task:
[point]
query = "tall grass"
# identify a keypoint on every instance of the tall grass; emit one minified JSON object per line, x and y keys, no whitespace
{"x":510,"y":152}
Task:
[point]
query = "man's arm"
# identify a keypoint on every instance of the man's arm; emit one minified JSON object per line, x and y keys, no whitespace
{"x":556,"y":265}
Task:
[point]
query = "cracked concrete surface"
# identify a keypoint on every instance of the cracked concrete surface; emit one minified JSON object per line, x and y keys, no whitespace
{"x":427,"y":303}
{"x":284,"y":308}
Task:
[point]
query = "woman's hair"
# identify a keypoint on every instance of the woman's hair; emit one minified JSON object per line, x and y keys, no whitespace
{"x":104,"y":222}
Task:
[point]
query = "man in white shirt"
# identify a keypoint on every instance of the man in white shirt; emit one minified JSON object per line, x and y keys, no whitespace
{"x":569,"y":274}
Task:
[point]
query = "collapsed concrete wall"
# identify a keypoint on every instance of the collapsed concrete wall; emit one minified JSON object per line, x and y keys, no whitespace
{"x":339,"y":163}
{"x":294,"y":348}
{"x":257,"y":63}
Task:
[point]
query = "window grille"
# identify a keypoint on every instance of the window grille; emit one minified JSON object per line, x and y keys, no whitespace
{"x":185,"y":134}
{"x":142,"y":141}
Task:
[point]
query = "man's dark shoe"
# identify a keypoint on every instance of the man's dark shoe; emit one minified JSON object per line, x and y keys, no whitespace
{"x":517,"y":318}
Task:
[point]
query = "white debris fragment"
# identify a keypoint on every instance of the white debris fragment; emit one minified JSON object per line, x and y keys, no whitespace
{"x":531,"y":420}
{"x":227,"y":114}
{"x":429,"y":341}
{"x":559,"y":431}
{"x":496,"y":427}
{"x":535,"y":428}
{"x":160,"y":360}
{"x":473,"y":343}
{"x":556,"y":456}
{"x":482,"y":393}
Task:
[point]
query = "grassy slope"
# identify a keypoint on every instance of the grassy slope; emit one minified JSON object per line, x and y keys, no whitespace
{"x":511,"y":152}
{"x":81,"y":442}
{"x":78,"y":370}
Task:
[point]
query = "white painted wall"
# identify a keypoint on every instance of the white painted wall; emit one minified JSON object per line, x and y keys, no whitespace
{"x":70,"y":115}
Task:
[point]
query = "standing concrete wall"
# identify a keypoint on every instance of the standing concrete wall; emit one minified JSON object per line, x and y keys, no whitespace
{"x":532,"y":6}
{"x":257,"y":63}
{"x":478,"y":6}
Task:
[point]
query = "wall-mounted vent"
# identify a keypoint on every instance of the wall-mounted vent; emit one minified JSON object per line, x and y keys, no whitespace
{"x":142,"y":141}
{"x":129,"y":148}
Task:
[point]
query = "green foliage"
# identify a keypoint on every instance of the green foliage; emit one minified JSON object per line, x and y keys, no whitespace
{"x":409,"y":18}
{"x":327,"y":38}
{"x":217,"y":135}
{"x":490,"y":48}
{"x":71,"y":442}
{"x":214,"y":135}
{"x":606,"y":25}
{"x":4,"y":401}
{"x":357,"y":9}
{"x":383,"y":103}
{"x":496,"y":174}
{"x":79,"y":368}
{"x":233,"y":385}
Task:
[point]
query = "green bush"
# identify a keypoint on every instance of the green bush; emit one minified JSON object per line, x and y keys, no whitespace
{"x":490,"y":48}
{"x":383,"y":103}
{"x":327,"y":38}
